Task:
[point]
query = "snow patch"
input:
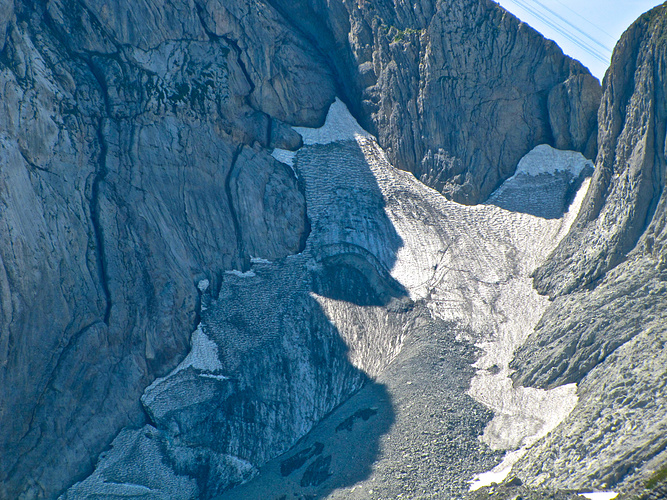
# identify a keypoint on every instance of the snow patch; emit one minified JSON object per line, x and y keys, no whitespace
{"x":216,"y":377}
{"x":499,"y":472}
{"x":241,"y":274}
{"x":600,"y":495}
{"x":259,"y":260}
{"x":340,"y":125}
{"x":286,"y":157}
{"x":544,"y":159}
{"x":203,"y":285}
{"x":203,"y":355}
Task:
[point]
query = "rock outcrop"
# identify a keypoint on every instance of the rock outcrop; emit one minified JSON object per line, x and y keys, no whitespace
{"x":607,"y":326}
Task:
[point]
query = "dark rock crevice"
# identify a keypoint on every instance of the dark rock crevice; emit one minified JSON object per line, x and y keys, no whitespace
{"x":95,"y":214}
{"x":242,"y":257}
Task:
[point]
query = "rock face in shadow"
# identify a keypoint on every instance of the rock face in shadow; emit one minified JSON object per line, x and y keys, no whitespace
{"x":456,"y":92}
{"x":607,"y":326}
{"x":124,"y":153}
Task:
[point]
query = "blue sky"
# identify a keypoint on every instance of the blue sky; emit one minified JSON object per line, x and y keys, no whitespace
{"x":585,"y":29}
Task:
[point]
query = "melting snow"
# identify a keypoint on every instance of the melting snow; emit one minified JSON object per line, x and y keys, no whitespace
{"x":544,"y":159}
{"x":473,"y":266}
{"x":498,"y":473}
{"x":285,"y":156}
{"x":203,"y":356}
{"x":241,"y":274}
{"x":259,"y":260}
{"x":600,"y":495}
{"x":340,"y":125}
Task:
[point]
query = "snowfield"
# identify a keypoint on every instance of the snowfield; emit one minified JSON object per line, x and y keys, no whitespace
{"x":472,"y":266}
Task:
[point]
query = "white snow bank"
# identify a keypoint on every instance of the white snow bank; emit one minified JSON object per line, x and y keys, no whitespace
{"x":340,"y":125}
{"x":600,"y":495}
{"x":499,"y":472}
{"x":203,"y":355}
{"x":544,"y":159}
{"x":241,"y":274}
{"x":203,"y":285}
{"x":285,"y":156}
{"x":260,"y":260}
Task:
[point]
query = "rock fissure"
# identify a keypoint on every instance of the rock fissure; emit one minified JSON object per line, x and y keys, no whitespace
{"x":95,"y":215}
{"x":243,"y":260}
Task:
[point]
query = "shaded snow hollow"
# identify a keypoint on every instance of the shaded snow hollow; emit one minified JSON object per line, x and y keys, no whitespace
{"x":473,"y":268}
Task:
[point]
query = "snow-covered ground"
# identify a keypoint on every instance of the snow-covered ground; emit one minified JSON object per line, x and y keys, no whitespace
{"x":472,"y":266}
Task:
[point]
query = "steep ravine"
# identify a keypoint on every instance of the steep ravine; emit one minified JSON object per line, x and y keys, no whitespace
{"x":395,"y":286}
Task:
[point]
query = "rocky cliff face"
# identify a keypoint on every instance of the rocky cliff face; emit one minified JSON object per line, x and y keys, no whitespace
{"x":456,"y":92}
{"x":136,"y":170}
{"x":126,"y":142}
{"x":607,"y":326}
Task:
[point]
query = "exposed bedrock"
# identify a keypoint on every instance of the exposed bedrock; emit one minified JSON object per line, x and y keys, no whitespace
{"x":115,"y":172}
{"x":136,"y":140}
{"x":626,"y":198}
{"x":456,"y":92}
{"x":607,"y":326}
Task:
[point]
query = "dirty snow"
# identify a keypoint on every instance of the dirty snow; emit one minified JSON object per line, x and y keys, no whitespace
{"x":340,"y":125}
{"x":203,"y":356}
{"x":544,"y":159}
{"x":473,"y":264}
{"x":241,"y":274}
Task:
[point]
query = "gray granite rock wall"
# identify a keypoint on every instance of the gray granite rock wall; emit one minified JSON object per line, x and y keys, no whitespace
{"x":120,"y":131}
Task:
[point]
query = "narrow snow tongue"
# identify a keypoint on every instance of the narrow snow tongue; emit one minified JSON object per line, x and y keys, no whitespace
{"x":525,"y":415}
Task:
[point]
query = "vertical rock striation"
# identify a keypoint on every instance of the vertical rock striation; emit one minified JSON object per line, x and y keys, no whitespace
{"x":120,"y":130}
{"x":607,"y":326}
{"x":456,"y":92}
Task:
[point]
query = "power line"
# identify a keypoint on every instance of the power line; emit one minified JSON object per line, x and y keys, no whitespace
{"x":609,"y":36}
{"x":568,"y":23}
{"x":596,"y":52}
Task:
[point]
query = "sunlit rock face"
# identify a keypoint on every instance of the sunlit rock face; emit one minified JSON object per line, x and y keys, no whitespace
{"x":607,"y":327}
